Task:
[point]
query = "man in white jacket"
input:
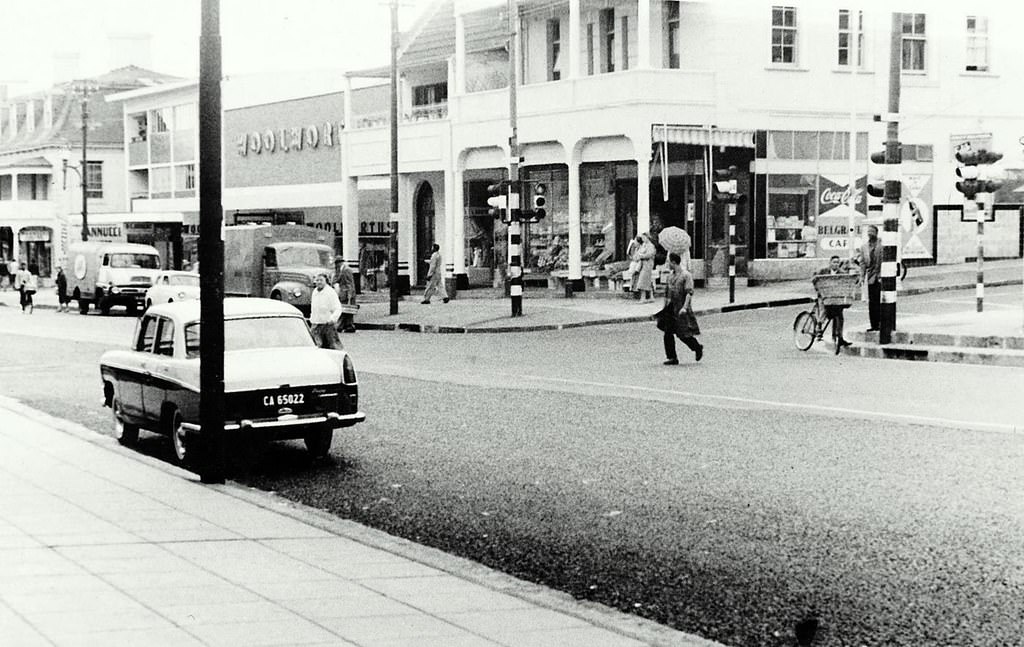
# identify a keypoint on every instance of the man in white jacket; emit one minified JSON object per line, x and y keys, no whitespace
{"x":324,"y":312}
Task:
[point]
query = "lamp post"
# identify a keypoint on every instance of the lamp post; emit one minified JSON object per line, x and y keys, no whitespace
{"x":82,"y":88}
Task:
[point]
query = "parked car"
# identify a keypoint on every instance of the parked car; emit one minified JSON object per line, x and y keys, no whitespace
{"x":278,"y":384}
{"x":171,"y":286}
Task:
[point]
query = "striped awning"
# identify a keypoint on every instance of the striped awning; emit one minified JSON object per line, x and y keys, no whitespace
{"x":699,"y":136}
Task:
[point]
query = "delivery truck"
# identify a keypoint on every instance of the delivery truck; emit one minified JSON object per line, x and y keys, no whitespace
{"x":108,"y":274}
{"x":276,"y":262}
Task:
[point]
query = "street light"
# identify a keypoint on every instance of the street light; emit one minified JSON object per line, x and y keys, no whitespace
{"x":82,"y":88}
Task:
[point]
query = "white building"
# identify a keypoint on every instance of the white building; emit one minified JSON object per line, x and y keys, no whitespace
{"x":624,"y":108}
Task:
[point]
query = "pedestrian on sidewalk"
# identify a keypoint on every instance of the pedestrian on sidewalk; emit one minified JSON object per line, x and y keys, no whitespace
{"x":5,"y":274}
{"x":870,"y":262}
{"x":324,"y":312}
{"x":835,"y":313}
{"x":20,"y":277}
{"x":29,"y":285}
{"x":12,"y":271}
{"x":645,"y":277}
{"x":676,"y":318}
{"x":435,"y":277}
{"x":634,"y":263}
{"x":346,"y":289}
{"x":62,"y":290}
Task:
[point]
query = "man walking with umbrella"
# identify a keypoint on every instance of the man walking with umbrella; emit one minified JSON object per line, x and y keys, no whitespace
{"x":676,"y":319}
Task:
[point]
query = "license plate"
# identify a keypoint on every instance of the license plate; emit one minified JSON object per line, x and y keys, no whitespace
{"x":284,"y":399}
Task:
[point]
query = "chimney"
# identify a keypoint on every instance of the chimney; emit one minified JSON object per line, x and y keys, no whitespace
{"x":130,"y":49}
{"x":48,"y":112}
{"x":30,"y":116}
{"x":12,"y":120}
{"x":65,"y":67}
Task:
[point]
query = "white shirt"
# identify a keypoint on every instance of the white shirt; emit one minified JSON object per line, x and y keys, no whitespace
{"x":324,"y":306}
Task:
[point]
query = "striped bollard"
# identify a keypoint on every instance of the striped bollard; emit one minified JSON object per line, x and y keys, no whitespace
{"x":979,"y":290}
{"x":732,"y":252}
{"x":515,"y":266}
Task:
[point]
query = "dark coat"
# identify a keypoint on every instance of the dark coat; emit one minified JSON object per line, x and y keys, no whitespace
{"x":673,"y":316}
{"x":346,"y":286}
{"x":62,"y":284}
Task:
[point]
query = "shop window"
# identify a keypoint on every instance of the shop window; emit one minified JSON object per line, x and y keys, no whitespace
{"x":546,"y":243}
{"x":851,"y":35}
{"x":554,"y":49}
{"x":791,"y":213}
{"x":672,"y":33}
{"x":814,"y":145}
{"x":94,"y":179}
{"x":977,"y":44}
{"x":784,"y":35}
{"x":913,"y":42}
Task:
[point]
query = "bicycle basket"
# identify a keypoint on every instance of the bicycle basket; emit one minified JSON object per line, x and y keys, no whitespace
{"x":837,"y":289}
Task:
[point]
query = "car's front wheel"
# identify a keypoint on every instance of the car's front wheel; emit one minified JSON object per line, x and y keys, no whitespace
{"x":318,"y":441}
{"x":127,"y":434}
{"x":177,"y":433}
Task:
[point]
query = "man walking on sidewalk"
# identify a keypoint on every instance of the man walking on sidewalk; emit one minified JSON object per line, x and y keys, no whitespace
{"x":324,"y":312}
{"x":676,"y":319}
{"x":870,"y":273}
{"x":435,"y":277}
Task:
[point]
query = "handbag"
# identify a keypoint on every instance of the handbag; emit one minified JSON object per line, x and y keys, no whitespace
{"x":661,"y":319}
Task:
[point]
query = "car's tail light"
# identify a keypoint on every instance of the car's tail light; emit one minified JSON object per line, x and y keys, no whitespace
{"x":348,"y":375}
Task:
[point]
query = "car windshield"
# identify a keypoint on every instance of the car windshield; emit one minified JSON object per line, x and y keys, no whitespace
{"x":255,"y":332}
{"x":298,"y":255}
{"x":143,"y":261}
{"x":189,"y":281}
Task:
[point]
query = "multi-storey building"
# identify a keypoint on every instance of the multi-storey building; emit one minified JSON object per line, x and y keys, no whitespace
{"x":41,"y":164}
{"x":624,"y":109}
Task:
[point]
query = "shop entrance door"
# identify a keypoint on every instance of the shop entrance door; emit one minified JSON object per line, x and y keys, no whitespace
{"x":424,"y":232}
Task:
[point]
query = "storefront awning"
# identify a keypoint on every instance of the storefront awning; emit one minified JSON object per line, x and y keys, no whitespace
{"x":698,"y":136}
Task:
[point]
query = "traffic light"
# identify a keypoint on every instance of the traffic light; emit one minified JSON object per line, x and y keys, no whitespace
{"x":975,"y":180}
{"x":876,"y":179}
{"x":498,"y":200}
{"x":724,"y":187}
{"x":539,"y":201}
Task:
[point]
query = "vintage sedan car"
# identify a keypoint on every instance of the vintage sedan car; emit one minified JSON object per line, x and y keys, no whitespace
{"x":277,"y":383}
{"x":170,"y":286}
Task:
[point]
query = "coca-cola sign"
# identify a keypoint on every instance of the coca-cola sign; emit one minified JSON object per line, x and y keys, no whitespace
{"x":835,"y":193}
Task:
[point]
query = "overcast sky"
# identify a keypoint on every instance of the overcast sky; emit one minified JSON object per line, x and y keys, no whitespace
{"x":258,"y":35}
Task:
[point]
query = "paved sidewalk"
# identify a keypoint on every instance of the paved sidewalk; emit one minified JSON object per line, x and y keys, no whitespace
{"x":102,"y":546}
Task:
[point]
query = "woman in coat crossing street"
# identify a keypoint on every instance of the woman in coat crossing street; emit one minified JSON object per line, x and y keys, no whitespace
{"x":676,"y":319}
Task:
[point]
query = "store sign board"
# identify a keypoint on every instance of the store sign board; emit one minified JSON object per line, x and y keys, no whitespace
{"x":34,"y":235}
{"x":283,"y":140}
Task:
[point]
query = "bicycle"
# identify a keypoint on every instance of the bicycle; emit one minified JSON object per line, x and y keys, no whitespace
{"x":833,"y":290}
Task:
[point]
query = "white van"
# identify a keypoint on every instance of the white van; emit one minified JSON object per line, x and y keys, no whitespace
{"x":111,"y":274}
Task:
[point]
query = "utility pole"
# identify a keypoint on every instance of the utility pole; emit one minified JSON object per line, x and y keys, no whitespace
{"x":83,"y":88}
{"x":393,"y":220}
{"x":515,"y":237}
{"x":891,"y":196}
{"x":212,"y":454}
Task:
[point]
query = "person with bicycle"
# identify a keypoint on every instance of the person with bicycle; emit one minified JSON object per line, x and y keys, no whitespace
{"x":835,"y":313}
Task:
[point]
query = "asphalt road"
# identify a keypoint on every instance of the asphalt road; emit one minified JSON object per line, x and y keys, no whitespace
{"x":730,"y":498}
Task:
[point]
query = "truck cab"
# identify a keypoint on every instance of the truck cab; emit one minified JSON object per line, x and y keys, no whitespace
{"x":108,"y":274}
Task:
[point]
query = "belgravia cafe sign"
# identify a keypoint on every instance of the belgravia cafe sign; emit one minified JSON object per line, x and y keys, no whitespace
{"x":283,"y":140}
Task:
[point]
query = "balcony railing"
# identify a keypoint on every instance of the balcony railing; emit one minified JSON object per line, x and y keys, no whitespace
{"x":432,"y":112}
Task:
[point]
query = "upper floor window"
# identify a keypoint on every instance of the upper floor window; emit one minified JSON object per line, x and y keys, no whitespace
{"x":607,"y":23}
{"x":94,"y":179}
{"x":625,"y":43}
{"x":783,"y":34}
{"x":428,"y":95}
{"x":554,"y":49}
{"x":977,"y":44}
{"x":161,"y":117}
{"x":913,"y":51}
{"x":672,"y":33}
{"x":851,"y":37}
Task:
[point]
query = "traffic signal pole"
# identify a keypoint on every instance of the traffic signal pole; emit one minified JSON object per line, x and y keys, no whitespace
{"x":732,"y":251}
{"x":891,"y":197}
{"x":515,"y":238}
{"x":393,"y":289}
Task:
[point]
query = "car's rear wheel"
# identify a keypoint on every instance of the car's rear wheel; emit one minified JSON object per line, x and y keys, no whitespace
{"x":177,"y":433}
{"x":126,"y":433}
{"x":318,"y":441}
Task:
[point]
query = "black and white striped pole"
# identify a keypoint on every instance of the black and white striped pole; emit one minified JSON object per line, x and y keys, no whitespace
{"x":732,"y":245}
{"x":724,"y":190}
{"x":977,"y":192}
{"x":515,"y":237}
{"x":891,"y":194}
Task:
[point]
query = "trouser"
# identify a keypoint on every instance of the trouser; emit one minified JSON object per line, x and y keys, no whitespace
{"x":670,"y":344}
{"x":435,"y":285}
{"x":875,"y":304}
{"x":325,"y":335}
{"x":347,"y":322}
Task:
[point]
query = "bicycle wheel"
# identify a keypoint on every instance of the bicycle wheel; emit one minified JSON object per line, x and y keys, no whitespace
{"x":805,"y":329}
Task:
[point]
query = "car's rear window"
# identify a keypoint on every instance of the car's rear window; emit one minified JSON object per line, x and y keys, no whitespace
{"x":255,"y":332}
{"x":191,"y":281}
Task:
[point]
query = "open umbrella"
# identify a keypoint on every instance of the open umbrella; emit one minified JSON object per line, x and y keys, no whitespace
{"x":674,"y":239}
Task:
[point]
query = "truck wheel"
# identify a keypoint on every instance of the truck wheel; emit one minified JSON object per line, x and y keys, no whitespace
{"x":318,"y":441}
{"x":276,"y":296}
